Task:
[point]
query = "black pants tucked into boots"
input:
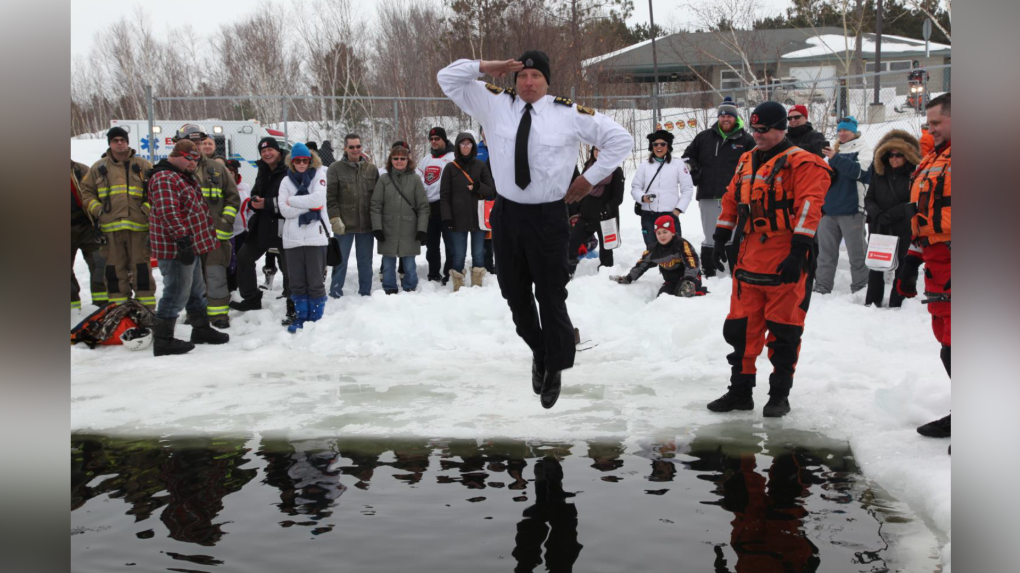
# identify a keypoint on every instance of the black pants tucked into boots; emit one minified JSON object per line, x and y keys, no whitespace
{"x":247,"y":281}
{"x":530,"y":244}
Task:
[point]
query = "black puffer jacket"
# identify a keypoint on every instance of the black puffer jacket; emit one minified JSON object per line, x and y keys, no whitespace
{"x":458,"y":204}
{"x":713,"y":157}
{"x":806,"y":138}
{"x":889,"y":193}
{"x":266,"y":225}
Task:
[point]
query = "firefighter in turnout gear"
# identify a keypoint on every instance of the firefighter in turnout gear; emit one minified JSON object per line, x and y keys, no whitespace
{"x":931,"y":192}
{"x":113,"y":192}
{"x":86,"y":237}
{"x":771,"y":209}
{"x":220,"y":192}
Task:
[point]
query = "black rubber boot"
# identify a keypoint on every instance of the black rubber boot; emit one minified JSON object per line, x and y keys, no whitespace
{"x":252,"y":303}
{"x":163,"y":341}
{"x":291,"y":313}
{"x":550,"y":388}
{"x":779,"y":390}
{"x":707,"y":265}
{"x":737,"y":397}
{"x":202,"y":333}
{"x":537,"y":374}
{"x":938,"y":429}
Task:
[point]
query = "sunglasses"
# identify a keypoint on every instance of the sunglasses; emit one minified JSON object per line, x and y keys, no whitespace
{"x":399,"y":159}
{"x":192,"y":157}
{"x":660,"y":144}
{"x":353,"y":147}
{"x":793,"y":117}
{"x":300,"y":160}
{"x":900,"y":155}
{"x":762,"y":130}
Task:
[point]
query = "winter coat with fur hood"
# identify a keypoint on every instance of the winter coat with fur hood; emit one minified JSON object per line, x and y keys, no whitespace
{"x":292,"y":206}
{"x":458,"y":204}
{"x":889,"y":191}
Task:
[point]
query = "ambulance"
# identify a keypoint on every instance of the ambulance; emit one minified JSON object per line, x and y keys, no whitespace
{"x":234,"y":139}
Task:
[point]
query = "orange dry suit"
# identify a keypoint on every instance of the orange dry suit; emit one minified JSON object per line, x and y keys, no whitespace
{"x":931,"y":227}
{"x":774,"y":199}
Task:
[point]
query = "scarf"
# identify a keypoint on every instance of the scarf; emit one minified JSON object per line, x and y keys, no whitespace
{"x":598,"y":189}
{"x":301,"y":181}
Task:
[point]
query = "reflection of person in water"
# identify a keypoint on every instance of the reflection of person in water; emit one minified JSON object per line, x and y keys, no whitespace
{"x":304,"y":474}
{"x":551,"y":520}
{"x":769,"y":513}
{"x":198,"y":474}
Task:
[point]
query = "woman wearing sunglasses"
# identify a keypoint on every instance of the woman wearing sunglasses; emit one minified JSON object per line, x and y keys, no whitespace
{"x":660,"y":186}
{"x":305,"y":233}
{"x":400,"y":218}
{"x":896,"y":156}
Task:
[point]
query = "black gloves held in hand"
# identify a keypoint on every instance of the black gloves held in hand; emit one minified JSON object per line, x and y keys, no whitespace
{"x":422,"y":237}
{"x":906,"y":277}
{"x":185,"y":251}
{"x":379,"y":236}
{"x":790,"y":269}
{"x":721,"y":237}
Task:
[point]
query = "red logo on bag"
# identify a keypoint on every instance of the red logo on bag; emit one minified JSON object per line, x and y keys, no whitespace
{"x":879,"y":256}
{"x":432,"y":173}
{"x":610,"y":238}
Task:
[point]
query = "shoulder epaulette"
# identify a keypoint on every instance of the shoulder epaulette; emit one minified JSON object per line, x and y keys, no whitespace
{"x":585,"y":110}
{"x":494,"y":88}
{"x":564,"y":101}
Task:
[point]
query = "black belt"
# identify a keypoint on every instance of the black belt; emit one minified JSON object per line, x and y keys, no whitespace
{"x":759,"y":279}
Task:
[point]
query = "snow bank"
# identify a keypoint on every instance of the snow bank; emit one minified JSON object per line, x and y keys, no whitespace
{"x":435,"y":363}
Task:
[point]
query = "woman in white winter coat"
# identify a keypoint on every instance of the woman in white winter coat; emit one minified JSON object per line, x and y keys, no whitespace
{"x":302,"y":202}
{"x":661,"y":186}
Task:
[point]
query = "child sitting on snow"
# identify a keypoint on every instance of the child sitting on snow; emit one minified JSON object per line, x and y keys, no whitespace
{"x":676,"y":260}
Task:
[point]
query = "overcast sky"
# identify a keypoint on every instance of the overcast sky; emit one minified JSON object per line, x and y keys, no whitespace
{"x":91,"y":16}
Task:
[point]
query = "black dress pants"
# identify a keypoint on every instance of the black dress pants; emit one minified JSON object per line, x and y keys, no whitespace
{"x":432,"y":254}
{"x":530,"y":245}
{"x":247,"y":282}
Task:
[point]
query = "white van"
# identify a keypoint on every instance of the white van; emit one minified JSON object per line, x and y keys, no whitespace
{"x":234,"y":139}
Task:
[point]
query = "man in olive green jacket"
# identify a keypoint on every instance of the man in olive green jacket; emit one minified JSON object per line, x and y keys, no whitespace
{"x":113,"y":192}
{"x":349,"y":186}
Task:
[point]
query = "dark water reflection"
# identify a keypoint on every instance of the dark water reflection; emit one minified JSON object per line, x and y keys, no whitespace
{"x":732,"y":498}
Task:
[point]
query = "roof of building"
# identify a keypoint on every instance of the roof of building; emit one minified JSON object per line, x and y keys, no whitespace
{"x":687,"y":49}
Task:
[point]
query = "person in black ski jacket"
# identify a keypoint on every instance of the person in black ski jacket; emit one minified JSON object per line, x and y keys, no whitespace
{"x":264,"y":228}
{"x":601,"y":204}
{"x":712,"y":158}
{"x":896,"y":157}
{"x":326,"y":153}
{"x":802,"y":134}
{"x":676,"y":260}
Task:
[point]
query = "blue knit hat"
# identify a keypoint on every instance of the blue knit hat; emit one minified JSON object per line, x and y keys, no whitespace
{"x":848,"y":123}
{"x":300,"y":150}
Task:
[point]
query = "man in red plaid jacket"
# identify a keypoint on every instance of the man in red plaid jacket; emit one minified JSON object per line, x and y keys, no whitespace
{"x":180,"y":229}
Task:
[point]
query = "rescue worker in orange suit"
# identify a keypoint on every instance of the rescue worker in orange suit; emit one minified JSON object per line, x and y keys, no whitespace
{"x":927,"y":141}
{"x":931,"y":194}
{"x":771,"y":210}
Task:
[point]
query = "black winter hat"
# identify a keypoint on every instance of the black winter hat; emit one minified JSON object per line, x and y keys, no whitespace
{"x":438,"y":132}
{"x":770,"y":113}
{"x":661,"y":134}
{"x":269,"y":141}
{"x":116,"y":131}
{"x":535,"y":60}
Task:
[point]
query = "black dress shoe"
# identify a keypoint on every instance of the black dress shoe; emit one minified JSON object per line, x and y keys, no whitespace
{"x":550,"y":388}
{"x":537,"y":375}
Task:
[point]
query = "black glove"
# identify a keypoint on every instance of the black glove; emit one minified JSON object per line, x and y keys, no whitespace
{"x":789,"y":270}
{"x":906,"y":279}
{"x":185,"y":252}
{"x":885,"y":219}
{"x":422,"y":237}
{"x":379,"y":236}
{"x":624,"y":280}
{"x":447,"y":225}
{"x":720,"y":238}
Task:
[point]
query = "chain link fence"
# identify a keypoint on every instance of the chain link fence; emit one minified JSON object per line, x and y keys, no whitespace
{"x":380,"y":121}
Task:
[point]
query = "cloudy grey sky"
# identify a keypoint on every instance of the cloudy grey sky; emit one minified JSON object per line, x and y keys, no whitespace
{"x":90,"y":16}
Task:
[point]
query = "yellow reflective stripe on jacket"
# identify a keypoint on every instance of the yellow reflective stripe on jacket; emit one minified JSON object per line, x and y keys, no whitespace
{"x":230,"y":211}
{"x":100,"y":297}
{"x":216,"y":310}
{"x":123,"y":225}
{"x":146,"y":300}
{"x":120,"y":190}
{"x":147,"y":206}
{"x":95,"y":205}
{"x":224,"y":235}
{"x":75,"y":304}
{"x":212,"y":192}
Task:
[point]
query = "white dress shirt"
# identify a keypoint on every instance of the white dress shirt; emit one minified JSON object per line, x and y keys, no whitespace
{"x":556,"y":132}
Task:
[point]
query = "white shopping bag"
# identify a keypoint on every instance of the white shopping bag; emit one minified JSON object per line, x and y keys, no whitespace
{"x":484,"y":209}
{"x":610,"y":234}
{"x":882,"y":252}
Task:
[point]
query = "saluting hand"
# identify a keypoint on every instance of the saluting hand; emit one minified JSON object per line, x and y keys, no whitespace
{"x":578,"y":190}
{"x":498,"y":69}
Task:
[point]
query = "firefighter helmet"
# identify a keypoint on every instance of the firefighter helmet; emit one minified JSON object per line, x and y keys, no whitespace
{"x":191,"y":131}
{"x":138,"y":338}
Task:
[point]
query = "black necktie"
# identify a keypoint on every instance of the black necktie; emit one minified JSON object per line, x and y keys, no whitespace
{"x":522,"y":171}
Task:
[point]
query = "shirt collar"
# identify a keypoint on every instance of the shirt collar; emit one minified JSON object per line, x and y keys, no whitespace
{"x":538,"y":107}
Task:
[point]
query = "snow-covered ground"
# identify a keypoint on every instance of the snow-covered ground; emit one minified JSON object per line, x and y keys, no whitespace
{"x":435,"y":363}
